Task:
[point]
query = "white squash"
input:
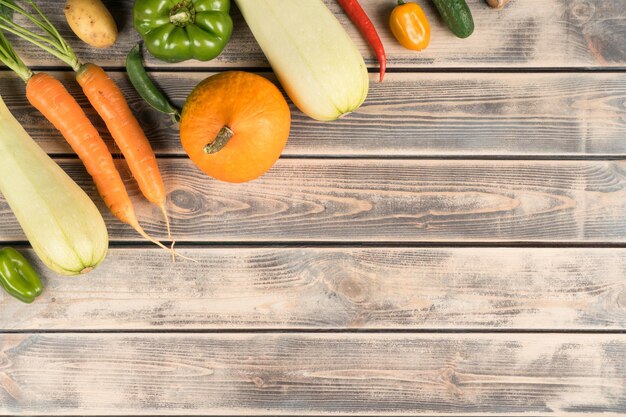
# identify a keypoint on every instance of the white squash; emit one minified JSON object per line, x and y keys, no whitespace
{"x":313,"y":57}
{"x":62,"y":224}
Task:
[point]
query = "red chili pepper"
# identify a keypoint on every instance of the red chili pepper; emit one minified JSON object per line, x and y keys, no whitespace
{"x":358,"y":16}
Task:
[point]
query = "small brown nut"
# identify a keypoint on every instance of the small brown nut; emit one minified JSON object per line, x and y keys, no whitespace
{"x":497,"y":4}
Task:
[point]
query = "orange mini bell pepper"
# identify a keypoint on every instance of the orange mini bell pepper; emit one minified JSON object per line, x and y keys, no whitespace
{"x":410,"y":26}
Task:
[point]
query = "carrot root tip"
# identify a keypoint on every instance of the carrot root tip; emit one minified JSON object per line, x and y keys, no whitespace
{"x":167,"y":221}
{"x":146,"y":236}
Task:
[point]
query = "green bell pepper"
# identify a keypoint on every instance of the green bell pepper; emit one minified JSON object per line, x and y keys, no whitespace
{"x":178,"y":30}
{"x":17,"y":277}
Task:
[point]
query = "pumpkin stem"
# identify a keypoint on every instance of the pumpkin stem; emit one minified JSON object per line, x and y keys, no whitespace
{"x":222,"y":138}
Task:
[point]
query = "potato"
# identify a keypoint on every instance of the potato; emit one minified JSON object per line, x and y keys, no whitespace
{"x":92,"y":22}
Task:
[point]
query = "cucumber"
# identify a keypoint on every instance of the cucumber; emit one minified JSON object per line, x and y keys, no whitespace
{"x":457,"y":15}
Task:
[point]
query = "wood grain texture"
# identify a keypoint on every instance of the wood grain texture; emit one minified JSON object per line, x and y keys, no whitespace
{"x":300,"y":374}
{"x":409,"y":115}
{"x":384,"y":289}
{"x":529,"y":33}
{"x":335,"y":288}
{"x":317,"y":200}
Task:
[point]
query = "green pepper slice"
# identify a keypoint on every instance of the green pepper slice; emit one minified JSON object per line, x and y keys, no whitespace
{"x":178,"y":30}
{"x":17,"y":277}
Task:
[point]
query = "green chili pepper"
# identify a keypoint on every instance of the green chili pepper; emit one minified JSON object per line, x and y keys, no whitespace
{"x":17,"y":277}
{"x":178,"y":30}
{"x":145,"y":87}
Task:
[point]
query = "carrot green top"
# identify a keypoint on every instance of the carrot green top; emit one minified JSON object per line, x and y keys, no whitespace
{"x":47,"y":37}
{"x":8,"y":56}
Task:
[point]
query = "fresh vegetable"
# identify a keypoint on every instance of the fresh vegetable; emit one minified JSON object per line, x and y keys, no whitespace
{"x":410,"y":26}
{"x":105,"y":96}
{"x":92,"y":22}
{"x":178,"y":30}
{"x":457,"y":15}
{"x":497,"y":4}
{"x":234,"y":126}
{"x":17,"y":277}
{"x":64,"y":227}
{"x":312,"y":55}
{"x":53,"y":100}
{"x":358,"y":16}
{"x":145,"y":87}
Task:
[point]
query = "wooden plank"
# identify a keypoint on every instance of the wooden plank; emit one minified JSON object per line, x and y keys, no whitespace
{"x":304,"y":374}
{"x":529,"y":33}
{"x":411,"y":115}
{"x":335,"y":288}
{"x":315,"y":200}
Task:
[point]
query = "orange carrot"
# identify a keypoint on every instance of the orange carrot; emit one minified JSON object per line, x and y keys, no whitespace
{"x":52,"y":99}
{"x":106,"y":97}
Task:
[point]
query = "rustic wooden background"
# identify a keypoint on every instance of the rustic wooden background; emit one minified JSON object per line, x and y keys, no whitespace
{"x":455,"y":247}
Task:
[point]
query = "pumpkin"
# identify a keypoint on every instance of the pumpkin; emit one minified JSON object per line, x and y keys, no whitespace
{"x":234,"y":126}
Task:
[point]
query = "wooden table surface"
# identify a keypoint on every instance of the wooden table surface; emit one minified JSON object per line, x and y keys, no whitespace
{"x":455,"y":247}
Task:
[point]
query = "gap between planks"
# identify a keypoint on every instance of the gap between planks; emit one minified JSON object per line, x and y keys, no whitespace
{"x":155,"y":70}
